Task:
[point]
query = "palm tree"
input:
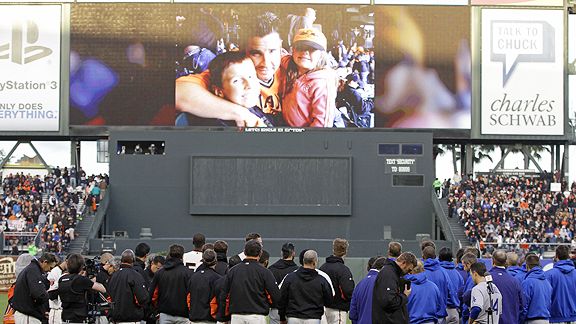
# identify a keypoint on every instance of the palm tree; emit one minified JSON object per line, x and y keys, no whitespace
{"x":441,"y":149}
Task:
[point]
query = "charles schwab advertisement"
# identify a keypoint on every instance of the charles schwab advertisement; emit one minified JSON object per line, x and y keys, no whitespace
{"x":30,"y":65}
{"x":522,"y":72}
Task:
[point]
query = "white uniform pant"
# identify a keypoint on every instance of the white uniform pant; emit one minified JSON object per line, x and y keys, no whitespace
{"x":248,"y":319}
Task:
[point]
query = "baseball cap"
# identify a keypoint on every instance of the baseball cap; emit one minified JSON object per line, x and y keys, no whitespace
{"x":311,"y":37}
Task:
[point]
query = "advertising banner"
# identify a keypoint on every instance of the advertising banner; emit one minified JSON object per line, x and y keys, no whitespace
{"x":7,"y":272}
{"x":522,"y":72}
{"x":423,"y":2}
{"x":540,"y":3}
{"x":30,"y":65}
{"x":572,"y":66}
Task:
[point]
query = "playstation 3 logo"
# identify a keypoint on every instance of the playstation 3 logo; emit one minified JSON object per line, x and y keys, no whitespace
{"x":22,"y":49}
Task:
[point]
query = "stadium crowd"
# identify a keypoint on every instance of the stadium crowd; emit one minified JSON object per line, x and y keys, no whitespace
{"x":205,"y":286}
{"x":514,"y":213}
{"x":49,"y":206}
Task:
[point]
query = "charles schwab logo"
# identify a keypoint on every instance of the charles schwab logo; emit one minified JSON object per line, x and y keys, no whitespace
{"x":23,"y":49}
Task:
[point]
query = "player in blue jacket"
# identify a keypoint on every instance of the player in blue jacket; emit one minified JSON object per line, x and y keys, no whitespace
{"x":536,"y":291}
{"x":437,"y":274}
{"x":361,"y":303}
{"x":425,"y":300}
{"x":562,"y":278}
{"x":453,"y":304}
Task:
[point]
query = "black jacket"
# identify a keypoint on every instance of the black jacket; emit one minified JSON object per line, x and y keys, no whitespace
{"x":281,"y":268}
{"x":139,"y":267}
{"x":202,"y":288}
{"x":251,"y":289}
{"x":303,"y":295}
{"x":128,"y":294}
{"x":221,"y":264}
{"x":342,"y":282}
{"x":30,"y":293}
{"x":388,"y":299}
{"x":169,"y":288}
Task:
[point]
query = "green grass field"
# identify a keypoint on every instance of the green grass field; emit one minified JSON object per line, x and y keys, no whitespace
{"x":3,"y":302}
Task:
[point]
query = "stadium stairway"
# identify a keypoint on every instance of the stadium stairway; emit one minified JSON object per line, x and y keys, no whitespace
{"x":81,"y":234}
{"x":457,"y":228}
{"x":82,"y":229}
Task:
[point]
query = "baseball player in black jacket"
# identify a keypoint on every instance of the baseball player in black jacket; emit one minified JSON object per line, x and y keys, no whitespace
{"x":202,"y":288}
{"x":30,"y":300}
{"x":250,"y":288}
{"x":304,"y":293}
{"x":127,"y":291}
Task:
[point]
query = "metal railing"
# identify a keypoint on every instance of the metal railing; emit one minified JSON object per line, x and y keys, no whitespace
{"x":98,"y":219}
{"x":444,"y":224}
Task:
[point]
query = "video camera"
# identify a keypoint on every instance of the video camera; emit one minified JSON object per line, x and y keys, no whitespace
{"x":92,"y":266}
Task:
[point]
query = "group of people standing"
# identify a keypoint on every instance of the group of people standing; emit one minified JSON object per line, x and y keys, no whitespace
{"x":205,"y":286}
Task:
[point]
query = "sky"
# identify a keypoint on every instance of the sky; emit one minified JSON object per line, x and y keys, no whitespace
{"x":58,"y":154}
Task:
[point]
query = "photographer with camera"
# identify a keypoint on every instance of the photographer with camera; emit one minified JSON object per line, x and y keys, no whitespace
{"x":486,"y":300}
{"x":128,"y":292}
{"x":72,"y":288}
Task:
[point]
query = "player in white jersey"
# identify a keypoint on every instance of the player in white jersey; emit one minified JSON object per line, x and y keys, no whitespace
{"x":486,"y":300}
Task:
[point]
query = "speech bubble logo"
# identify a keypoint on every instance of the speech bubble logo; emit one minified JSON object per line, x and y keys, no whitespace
{"x":515,"y":41}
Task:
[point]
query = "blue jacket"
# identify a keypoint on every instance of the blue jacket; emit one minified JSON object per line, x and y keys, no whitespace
{"x":361,"y":303}
{"x":424,"y":300}
{"x":437,"y":274}
{"x":462,"y":272}
{"x":511,"y":291}
{"x":517,"y":272}
{"x":465,"y":294}
{"x":456,"y":281}
{"x":537,"y":294}
{"x":562,"y":278}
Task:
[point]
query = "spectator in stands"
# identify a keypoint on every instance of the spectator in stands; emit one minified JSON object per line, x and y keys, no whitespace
{"x":513,"y":213}
{"x":562,"y":278}
{"x":193,"y":258}
{"x":203,"y":290}
{"x":249,"y":288}
{"x":390,"y":293}
{"x":361,"y":303}
{"x":425,"y":303}
{"x":304,"y":293}
{"x":394,"y":250}
{"x":342,"y":281}
{"x":537,"y":293}
{"x":456,"y":282}
{"x":509,"y":288}
{"x":167,"y":289}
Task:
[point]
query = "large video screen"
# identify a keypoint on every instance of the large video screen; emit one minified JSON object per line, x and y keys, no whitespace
{"x":270,"y":65}
{"x":423,"y":75}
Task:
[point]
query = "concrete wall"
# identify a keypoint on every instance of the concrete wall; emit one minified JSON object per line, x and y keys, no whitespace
{"x":157,"y":191}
